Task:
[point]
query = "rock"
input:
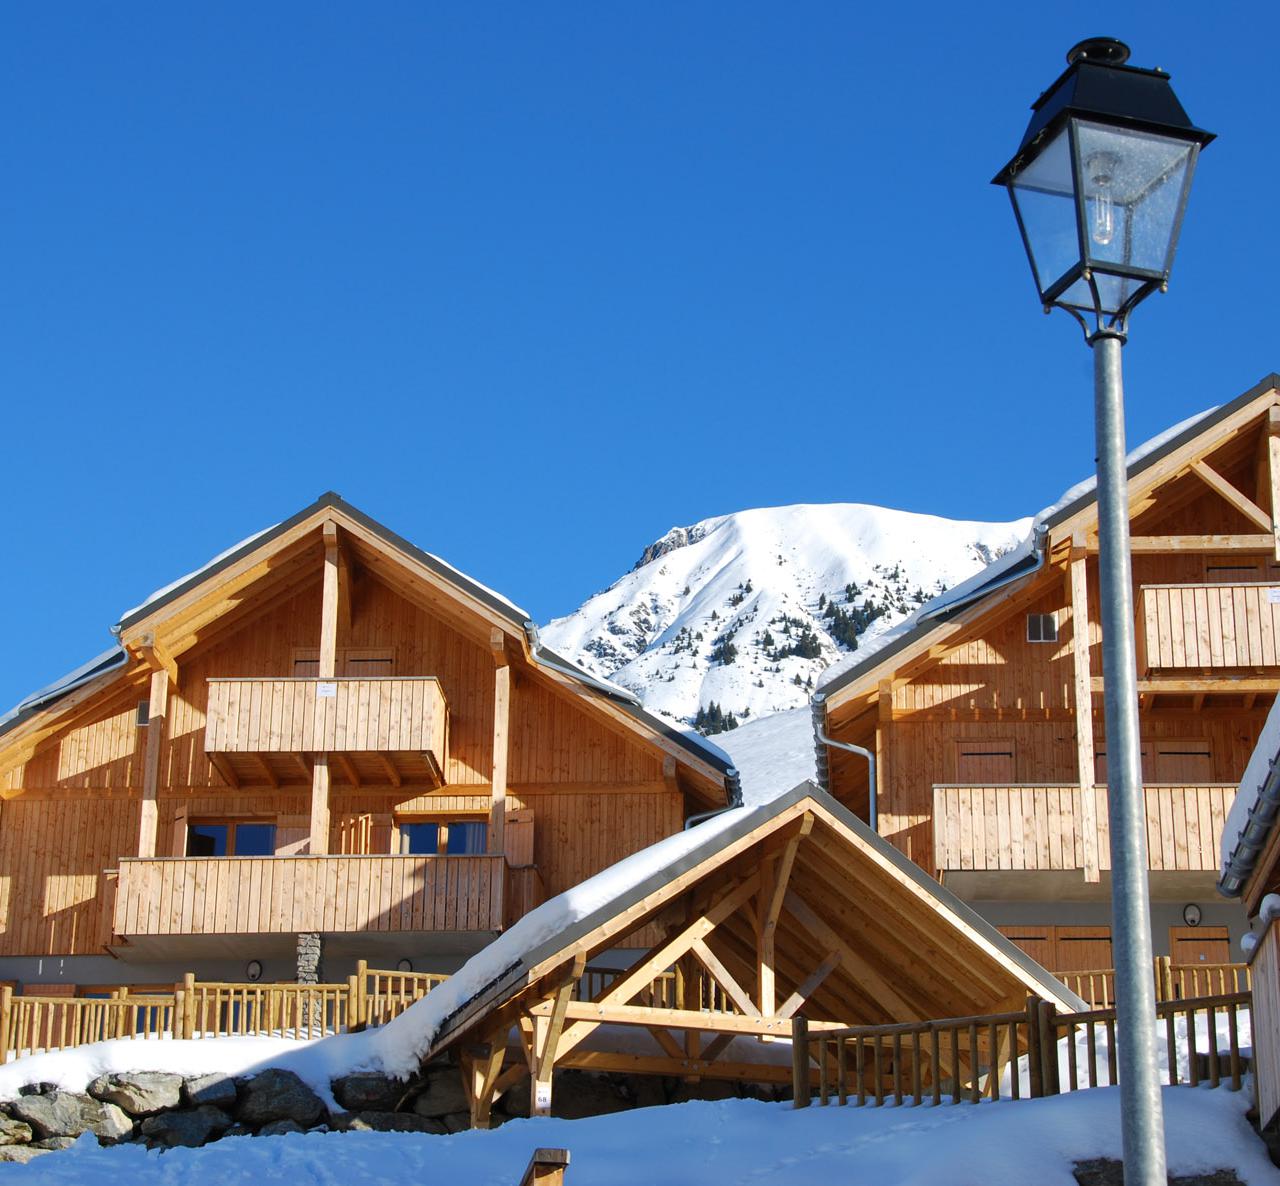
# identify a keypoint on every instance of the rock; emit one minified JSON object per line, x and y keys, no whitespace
{"x":238,"y":1130}
{"x":68,"y":1114}
{"x":368,"y":1092}
{"x":21,"y":1153}
{"x":13,"y":1132}
{"x":278,"y":1095}
{"x":580,"y":1093}
{"x":372,"y":1121}
{"x":443,"y":1094}
{"x":280,"y":1128}
{"x":140,"y":1093}
{"x":188,"y":1129}
{"x":217,"y":1089}
{"x":514,"y":1101}
{"x":51,"y":1143}
{"x":456,"y":1121}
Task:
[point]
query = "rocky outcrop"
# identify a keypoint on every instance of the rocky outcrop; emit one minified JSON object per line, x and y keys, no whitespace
{"x":217,"y":1090}
{"x":190,"y":1129}
{"x":366,"y":1091}
{"x":14,"y":1132}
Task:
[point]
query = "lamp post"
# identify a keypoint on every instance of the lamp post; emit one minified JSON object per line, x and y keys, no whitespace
{"x":1099,"y":185}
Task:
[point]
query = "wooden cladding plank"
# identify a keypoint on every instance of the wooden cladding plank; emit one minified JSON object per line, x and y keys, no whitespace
{"x":334,"y":894}
{"x":1039,"y":827}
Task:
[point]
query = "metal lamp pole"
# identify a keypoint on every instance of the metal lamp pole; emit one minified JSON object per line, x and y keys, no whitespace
{"x":1099,"y":186}
{"x":1141,"y":1111}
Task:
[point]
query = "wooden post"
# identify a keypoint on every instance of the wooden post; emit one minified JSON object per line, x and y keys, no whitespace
{"x":319,"y":842}
{"x":1034,"y":1070}
{"x":1049,"y":1046}
{"x":501,"y":742}
{"x":1084,"y":708}
{"x":362,"y":992}
{"x":189,"y":1001}
{"x":800,"y":1062}
{"x":329,"y":612}
{"x":1273,"y":470}
{"x":546,"y":1168}
{"x":156,"y":711}
{"x":6,"y":1020}
{"x":353,"y":1005}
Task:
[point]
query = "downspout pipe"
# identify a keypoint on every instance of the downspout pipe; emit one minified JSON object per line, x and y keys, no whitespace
{"x":817,"y":706}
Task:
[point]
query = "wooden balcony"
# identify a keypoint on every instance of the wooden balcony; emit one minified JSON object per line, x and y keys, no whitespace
{"x":379,"y":730}
{"x":288,"y":895}
{"x":1206,"y":627}
{"x":1039,"y":828}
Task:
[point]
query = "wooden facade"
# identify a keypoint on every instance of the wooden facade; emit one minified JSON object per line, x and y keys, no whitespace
{"x":324,"y":691}
{"x":987,"y":723}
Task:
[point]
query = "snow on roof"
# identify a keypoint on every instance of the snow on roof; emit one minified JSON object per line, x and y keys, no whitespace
{"x":98,"y":665}
{"x":772,"y":754}
{"x":1255,"y":776}
{"x":1004,"y":568}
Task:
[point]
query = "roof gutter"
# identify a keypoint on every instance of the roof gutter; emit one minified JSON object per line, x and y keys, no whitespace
{"x":1253,"y":836}
{"x":818,"y":708}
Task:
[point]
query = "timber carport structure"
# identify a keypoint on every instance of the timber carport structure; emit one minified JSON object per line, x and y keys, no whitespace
{"x":791,"y":908}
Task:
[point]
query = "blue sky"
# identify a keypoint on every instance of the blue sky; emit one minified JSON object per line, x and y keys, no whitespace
{"x":532,"y":283}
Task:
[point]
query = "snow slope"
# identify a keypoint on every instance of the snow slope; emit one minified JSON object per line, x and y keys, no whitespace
{"x":759,"y":581}
{"x":731,"y":1143}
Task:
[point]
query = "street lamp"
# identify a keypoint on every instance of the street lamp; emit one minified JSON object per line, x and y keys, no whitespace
{"x":1099,"y":185}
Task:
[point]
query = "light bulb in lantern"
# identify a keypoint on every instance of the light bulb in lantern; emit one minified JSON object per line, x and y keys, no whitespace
{"x":1101,"y":167}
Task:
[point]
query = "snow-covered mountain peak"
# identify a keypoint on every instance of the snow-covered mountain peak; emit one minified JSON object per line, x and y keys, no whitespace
{"x":738,"y":614}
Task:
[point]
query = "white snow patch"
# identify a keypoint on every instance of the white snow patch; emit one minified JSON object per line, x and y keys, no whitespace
{"x":731,"y":1143}
{"x":772,"y":754}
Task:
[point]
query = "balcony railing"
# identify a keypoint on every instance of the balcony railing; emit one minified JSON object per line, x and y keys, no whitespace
{"x":1201,"y":627}
{"x":989,"y":829}
{"x":330,"y":894}
{"x":382,"y":729}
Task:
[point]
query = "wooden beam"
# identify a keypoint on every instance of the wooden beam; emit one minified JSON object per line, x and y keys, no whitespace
{"x":546,"y":1168}
{"x":497,"y":839}
{"x":329,"y":613}
{"x":389,"y":768}
{"x":300,"y":760}
{"x":157,"y":657}
{"x":723,"y":977}
{"x":269,"y":776}
{"x":1242,"y":503}
{"x":320,"y":806}
{"x":592,"y":1015}
{"x":1273,"y":472}
{"x":548,"y":1031}
{"x":157,"y":710}
{"x":792,"y":1005}
{"x":1195,"y":543}
{"x":881,"y":989}
{"x":223,"y":766}
{"x":480,"y":1067}
{"x":1173,"y":685}
{"x":348,"y":768}
{"x":771,"y":907}
{"x":1084,"y":716}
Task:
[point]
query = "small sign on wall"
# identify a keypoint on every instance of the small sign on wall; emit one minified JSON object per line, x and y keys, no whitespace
{"x":542,"y":1097}
{"x":1273,"y":596}
{"x":326,"y":691}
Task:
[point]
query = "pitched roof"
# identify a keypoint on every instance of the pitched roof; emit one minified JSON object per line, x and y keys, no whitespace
{"x":117,"y":658}
{"x":605,"y":909}
{"x":1029,"y":557}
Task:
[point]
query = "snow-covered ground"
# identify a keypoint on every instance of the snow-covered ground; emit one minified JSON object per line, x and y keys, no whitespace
{"x":736,"y":1141}
{"x":761,"y":581}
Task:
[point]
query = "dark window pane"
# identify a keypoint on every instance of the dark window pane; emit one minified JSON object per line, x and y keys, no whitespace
{"x":420,"y":839}
{"x":207,"y":840}
{"x":255,"y":840}
{"x":467,"y":839}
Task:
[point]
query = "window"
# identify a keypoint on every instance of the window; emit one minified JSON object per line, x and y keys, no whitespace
{"x":142,"y":718}
{"x":455,"y":838}
{"x":231,"y":840}
{"x":1042,"y":627}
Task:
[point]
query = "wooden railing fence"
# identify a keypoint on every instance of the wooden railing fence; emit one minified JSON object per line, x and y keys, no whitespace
{"x":1174,"y":982}
{"x":677,"y":988}
{"x":971,"y":1058}
{"x":207,"y":1009}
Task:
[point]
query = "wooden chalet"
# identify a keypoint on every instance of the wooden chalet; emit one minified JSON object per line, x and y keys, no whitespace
{"x":325,"y":732}
{"x":794,"y":908}
{"x":984,"y":711}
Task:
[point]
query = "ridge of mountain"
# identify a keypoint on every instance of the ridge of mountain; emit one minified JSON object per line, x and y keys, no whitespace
{"x":736,"y":616}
